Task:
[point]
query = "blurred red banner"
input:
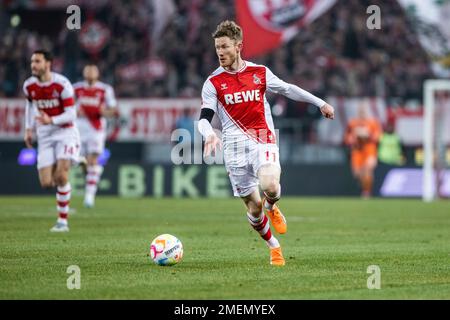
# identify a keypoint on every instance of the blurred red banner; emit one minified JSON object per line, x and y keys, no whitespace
{"x":269,"y":23}
{"x":149,"y":120}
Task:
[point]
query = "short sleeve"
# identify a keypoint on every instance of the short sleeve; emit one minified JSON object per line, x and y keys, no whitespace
{"x":67,"y":94}
{"x":209,"y":96}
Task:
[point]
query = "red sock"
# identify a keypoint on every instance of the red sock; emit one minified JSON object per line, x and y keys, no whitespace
{"x":63,"y":199}
{"x":262,"y":226}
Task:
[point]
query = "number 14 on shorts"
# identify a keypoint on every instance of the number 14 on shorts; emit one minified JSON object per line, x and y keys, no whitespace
{"x":70,"y":149}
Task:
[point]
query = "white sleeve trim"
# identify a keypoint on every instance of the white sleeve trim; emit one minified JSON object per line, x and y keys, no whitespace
{"x":209,"y":96}
{"x":68,"y":91}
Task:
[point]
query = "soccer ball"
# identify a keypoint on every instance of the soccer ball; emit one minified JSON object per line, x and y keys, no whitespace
{"x":166,"y":250}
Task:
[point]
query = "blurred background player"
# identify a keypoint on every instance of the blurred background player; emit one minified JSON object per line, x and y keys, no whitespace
{"x":95,"y":101}
{"x":51,"y":112}
{"x":362,"y":136}
{"x":236,"y":91}
{"x":390,"y":146}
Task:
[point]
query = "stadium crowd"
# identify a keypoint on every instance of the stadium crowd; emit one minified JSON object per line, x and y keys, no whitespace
{"x":335,"y":55}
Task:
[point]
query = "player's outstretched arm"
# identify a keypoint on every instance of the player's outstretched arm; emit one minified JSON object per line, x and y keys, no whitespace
{"x":298,"y":94}
{"x":291,"y":91}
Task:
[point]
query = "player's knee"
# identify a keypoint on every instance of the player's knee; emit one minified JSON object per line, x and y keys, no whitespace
{"x":61,"y":178}
{"x":92,"y":161}
{"x":256,"y":212}
{"x":269,"y":179}
{"x":47,"y":184}
{"x":270,"y":186}
{"x":255,"y":208}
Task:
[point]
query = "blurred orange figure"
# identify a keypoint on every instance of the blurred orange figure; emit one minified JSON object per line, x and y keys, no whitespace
{"x":362,"y":135}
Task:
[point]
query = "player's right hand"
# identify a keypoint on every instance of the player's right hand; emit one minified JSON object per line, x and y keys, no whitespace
{"x":327,"y":111}
{"x":28,"y":138}
{"x":211,"y":144}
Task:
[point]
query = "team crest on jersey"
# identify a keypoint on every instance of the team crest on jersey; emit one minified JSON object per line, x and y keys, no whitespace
{"x":55,"y":94}
{"x":256,"y":80}
{"x":33,"y":94}
{"x":223,"y":86}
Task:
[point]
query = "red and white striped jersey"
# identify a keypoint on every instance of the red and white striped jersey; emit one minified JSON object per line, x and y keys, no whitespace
{"x":239,"y":99}
{"x":51,"y":97}
{"x":91,"y":98}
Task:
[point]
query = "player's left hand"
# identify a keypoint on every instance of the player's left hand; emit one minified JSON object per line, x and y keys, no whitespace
{"x":327,"y":111}
{"x":44,"y":118}
{"x":212,"y":143}
{"x":109,"y":112}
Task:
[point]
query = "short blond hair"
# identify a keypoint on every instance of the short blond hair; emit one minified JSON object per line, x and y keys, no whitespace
{"x":228,"y":29}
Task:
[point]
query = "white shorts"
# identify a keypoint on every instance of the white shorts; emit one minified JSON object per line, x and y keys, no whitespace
{"x":243,"y":165}
{"x":95,"y":144}
{"x":92,"y":140}
{"x":63,"y":143}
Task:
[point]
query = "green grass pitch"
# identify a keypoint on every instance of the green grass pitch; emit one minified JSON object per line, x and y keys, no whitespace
{"x":328,"y":247}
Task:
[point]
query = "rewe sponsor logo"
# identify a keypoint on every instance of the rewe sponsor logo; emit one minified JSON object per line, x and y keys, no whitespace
{"x":47,"y":103}
{"x":244,"y":96}
{"x":89,"y":101}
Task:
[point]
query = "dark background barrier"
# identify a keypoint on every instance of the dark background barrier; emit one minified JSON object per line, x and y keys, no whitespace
{"x":137,"y":179}
{"x":130,"y":173}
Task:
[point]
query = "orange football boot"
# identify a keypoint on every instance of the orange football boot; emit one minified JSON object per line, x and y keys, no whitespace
{"x":277,"y":219}
{"x":276,"y":257}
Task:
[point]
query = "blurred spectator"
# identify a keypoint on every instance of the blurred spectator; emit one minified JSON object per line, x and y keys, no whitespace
{"x":390,"y":147}
{"x":334,"y":56}
{"x":186,"y":122}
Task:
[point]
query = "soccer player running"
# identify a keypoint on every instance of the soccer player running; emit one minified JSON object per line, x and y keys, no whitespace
{"x":95,"y":101}
{"x":50,"y":112}
{"x":362,"y":136}
{"x":236,"y":92}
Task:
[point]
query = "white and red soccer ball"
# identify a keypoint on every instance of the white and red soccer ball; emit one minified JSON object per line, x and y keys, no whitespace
{"x":166,"y":250}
